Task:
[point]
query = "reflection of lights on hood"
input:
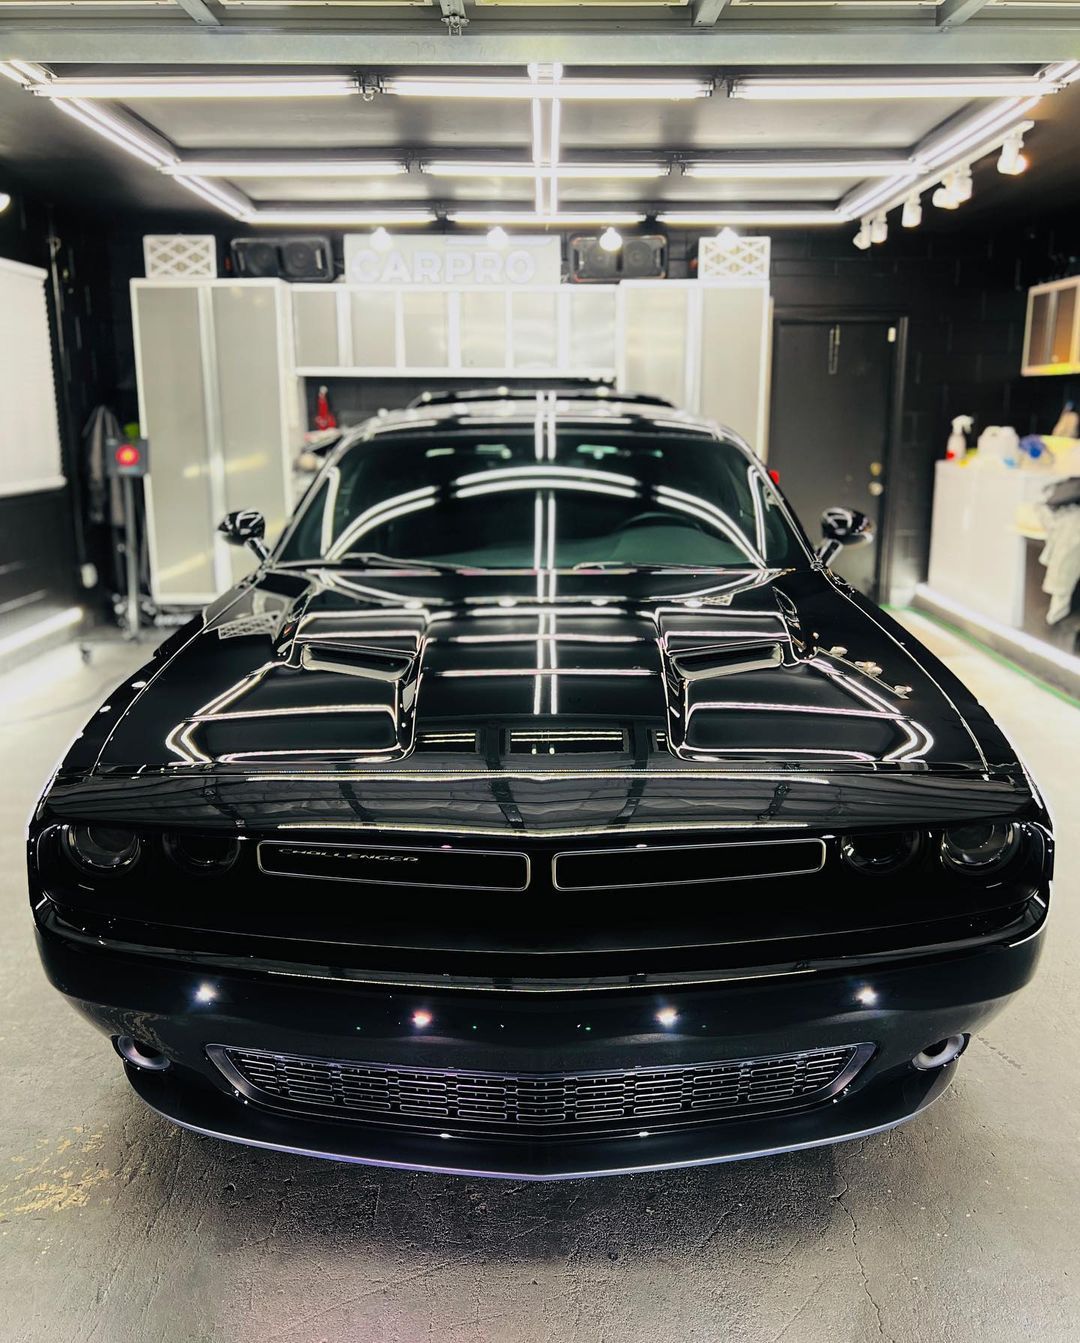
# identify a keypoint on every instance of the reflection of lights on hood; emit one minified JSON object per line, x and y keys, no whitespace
{"x":667,"y":1016}
{"x":380,"y":514}
{"x":205,"y":993}
{"x":867,"y":996}
{"x":422,"y":1018}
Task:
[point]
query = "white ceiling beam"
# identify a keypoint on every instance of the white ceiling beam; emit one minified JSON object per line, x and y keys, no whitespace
{"x":200,"y":12}
{"x":952,"y":13}
{"x":830,"y":43}
{"x":706,"y":12}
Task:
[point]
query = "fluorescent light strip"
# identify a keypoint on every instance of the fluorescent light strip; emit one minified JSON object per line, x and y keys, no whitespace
{"x":588,"y":90}
{"x":254,"y":86}
{"x":285,"y":168}
{"x":734,"y":170}
{"x":766,"y":88}
{"x":707,"y":218}
{"x":874,"y":196}
{"x":452,"y":168}
{"x":331,"y":217}
{"x":237,"y":206}
{"x":561,"y":219}
{"x":116,"y":133}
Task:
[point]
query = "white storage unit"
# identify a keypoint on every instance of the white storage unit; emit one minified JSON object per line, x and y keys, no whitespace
{"x":444,"y":330}
{"x":1052,"y":330}
{"x":221,"y":407}
{"x":29,"y":436}
{"x":704,"y":345}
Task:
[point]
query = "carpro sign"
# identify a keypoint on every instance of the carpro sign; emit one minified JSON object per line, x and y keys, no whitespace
{"x":456,"y":261}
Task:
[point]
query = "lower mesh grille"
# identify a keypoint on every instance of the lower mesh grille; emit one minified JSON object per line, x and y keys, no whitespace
{"x":538,"y":1102}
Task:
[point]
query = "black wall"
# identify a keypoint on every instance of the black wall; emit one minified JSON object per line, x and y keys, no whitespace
{"x":965,"y":299}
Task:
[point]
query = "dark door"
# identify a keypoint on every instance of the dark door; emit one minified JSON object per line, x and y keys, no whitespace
{"x":831,"y":418}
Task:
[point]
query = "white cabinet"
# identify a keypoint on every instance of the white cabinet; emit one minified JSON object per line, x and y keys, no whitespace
{"x":1052,"y":331}
{"x":221,"y":408}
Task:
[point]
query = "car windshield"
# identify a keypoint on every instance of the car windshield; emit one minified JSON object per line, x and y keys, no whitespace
{"x":539,"y":495}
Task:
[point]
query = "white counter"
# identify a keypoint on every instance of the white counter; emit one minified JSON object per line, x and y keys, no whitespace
{"x":977,"y":557}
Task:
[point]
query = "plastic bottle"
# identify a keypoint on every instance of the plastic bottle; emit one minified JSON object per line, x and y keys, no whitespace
{"x":956,"y":448}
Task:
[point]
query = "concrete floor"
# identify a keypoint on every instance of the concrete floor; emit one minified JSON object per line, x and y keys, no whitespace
{"x":117,"y":1228}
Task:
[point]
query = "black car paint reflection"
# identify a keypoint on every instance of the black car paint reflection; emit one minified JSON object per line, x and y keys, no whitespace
{"x":383,"y":743}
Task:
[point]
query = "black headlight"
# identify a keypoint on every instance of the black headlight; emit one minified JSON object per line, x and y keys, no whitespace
{"x":101,"y":849}
{"x":981,"y":848}
{"x":202,"y":855}
{"x":880,"y":853}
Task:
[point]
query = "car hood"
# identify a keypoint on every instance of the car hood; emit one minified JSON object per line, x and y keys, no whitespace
{"x":396,"y":670}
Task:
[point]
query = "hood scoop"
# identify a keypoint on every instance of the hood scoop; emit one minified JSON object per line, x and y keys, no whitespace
{"x":342,"y":687}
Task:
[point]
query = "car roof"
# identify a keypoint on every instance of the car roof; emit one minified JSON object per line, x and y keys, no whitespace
{"x":457,"y":416}
{"x":565,"y":392}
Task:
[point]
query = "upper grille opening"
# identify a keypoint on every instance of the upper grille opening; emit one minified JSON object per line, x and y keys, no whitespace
{"x":566,"y":741}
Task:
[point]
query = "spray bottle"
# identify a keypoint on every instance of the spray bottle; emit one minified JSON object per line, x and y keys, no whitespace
{"x":956,"y":448}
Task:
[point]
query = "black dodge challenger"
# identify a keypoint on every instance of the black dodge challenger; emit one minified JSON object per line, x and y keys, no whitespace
{"x":542,"y":806}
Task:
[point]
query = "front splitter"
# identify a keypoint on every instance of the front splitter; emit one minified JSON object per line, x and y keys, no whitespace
{"x":873,"y":1109}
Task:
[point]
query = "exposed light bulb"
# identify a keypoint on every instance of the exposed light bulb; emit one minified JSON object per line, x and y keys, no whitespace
{"x":5,"y":201}
{"x":497,"y":237}
{"x":727,"y":238}
{"x":879,"y":227}
{"x":610,"y":240}
{"x":1012,"y":161}
{"x":381,"y":241}
{"x":862,"y":238}
{"x":911,"y":216}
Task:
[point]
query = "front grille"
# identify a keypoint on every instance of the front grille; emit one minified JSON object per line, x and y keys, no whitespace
{"x":531,"y":1103}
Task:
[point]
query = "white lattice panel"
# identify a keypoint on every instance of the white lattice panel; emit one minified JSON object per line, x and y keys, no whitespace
{"x":740,"y":259}
{"x":180,"y":256}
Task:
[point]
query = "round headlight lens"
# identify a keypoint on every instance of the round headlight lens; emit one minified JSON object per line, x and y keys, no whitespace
{"x":101,"y":848}
{"x":880,"y":853}
{"x":203,"y":855}
{"x":980,"y":848}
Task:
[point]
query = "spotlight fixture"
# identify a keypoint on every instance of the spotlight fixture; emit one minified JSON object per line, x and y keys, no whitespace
{"x":911,"y":216}
{"x":667,"y":1016}
{"x":879,"y":227}
{"x":422,"y":1018}
{"x":862,"y":238}
{"x":610,"y":240}
{"x":1012,"y":160}
{"x":381,"y":241}
{"x":497,"y":237}
{"x":727,"y":238}
{"x":955,"y":189}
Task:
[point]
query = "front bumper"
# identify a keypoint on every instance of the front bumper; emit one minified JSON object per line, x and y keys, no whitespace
{"x":180,"y":1008}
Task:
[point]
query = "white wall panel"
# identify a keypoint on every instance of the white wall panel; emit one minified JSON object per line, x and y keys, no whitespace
{"x":29,"y":438}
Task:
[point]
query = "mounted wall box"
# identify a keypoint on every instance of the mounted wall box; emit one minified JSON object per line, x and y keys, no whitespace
{"x":180,"y":256}
{"x":1052,"y":331}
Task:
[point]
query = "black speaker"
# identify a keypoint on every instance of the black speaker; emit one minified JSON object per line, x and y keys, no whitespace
{"x":590,"y":264}
{"x":645,"y":257}
{"x":641,"y":257}
{"x":297,"y":259}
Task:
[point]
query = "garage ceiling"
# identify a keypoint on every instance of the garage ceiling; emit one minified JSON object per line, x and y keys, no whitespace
{"x":742,"y":153}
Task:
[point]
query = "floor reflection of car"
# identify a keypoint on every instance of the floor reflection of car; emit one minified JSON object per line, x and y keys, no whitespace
{"x":541,"y":806}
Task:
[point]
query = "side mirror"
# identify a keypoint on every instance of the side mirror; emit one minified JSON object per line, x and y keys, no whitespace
{"x":843,"y":527}
{"x":246,"y":527}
